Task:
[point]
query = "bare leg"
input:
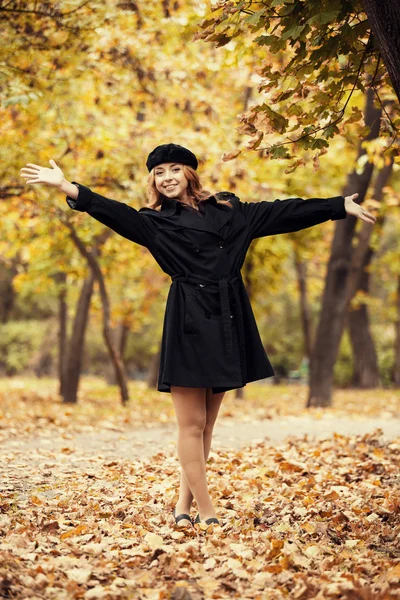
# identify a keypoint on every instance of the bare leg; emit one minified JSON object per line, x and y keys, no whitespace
{"x":213,"y":403}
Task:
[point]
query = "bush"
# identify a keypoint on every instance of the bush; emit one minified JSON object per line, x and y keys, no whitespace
{"x":19,"y":342}
{"x":343,"y":370}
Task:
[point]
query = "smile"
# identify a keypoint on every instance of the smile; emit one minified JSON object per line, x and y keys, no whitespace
{"x":170,"y":187}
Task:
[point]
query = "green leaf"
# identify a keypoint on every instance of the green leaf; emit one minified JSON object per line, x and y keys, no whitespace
{"x":255,"y":17}
{"x":294,"y":110}
{"x":274,"y":42}
{"x":319,"y":143}
{"x":284,"y":96}
{"x":281,"y":2}
{"x":321,"y":18}
{"x":279,"y":152}
{"x":330,"y":131}
{"x":292,"y":33}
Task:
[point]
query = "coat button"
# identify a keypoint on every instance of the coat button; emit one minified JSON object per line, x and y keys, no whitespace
{"x":207,"y":314}
{"x":223,"y":277}
{"x":202,"y":285}
{"x":221,"y":243}
{"x":196,"y":248}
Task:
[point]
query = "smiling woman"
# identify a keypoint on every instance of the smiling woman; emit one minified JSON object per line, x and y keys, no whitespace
{"x":210,"y":341}
{"x":169,"y":179}
{"x":177,"y":180}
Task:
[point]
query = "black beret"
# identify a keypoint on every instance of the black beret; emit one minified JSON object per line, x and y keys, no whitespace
{"x":171,"y":153}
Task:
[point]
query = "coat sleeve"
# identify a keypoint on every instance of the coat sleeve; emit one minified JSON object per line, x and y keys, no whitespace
{"x":121,"y":218}
{"x":284,"y":216}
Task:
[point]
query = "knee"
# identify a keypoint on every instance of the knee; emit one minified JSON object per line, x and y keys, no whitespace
{"x":208,"y":427}
{"x":194,"y":427}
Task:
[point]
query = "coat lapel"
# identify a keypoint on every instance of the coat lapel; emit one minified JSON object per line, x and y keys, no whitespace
{"x":215,"y":217}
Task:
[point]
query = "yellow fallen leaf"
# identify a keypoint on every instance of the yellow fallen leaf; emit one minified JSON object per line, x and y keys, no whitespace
{"x":178,"y":535}
{"x":209,"y":585}
{"x":273,"y":568}
{"x":309,"y":527}
{"x":80,"y":575}
{"x":284,"y":562}
{"x":210,"y":563}
{"x":233,"y":563}
{"x":76,"y":531}
{"x":372,"y":517}
{"x":332,"y":495}
{"x":95,"y":593}
{"x":393,"y":574}
{"x":312,"y":551}
{"x":351,"y":543}
{"x":241,"y":550}
{"x":307,"y":500}
{"x":36,"y":500}
{"x":154,"y":540}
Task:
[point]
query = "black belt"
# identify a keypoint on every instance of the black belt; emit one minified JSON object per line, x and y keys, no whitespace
{"x":223,"y":285}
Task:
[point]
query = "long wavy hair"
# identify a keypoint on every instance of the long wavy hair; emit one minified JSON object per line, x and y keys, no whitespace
{"x":195,"y":191}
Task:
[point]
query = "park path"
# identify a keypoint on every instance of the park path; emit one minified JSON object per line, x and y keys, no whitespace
{"x":141,"y":443}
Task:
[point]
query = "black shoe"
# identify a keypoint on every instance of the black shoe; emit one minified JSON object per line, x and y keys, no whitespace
{"x":182,"y":516}
{"x":208,"y":521}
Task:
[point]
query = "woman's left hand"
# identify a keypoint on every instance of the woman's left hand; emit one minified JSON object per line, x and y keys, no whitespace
{"x":352,"y":208}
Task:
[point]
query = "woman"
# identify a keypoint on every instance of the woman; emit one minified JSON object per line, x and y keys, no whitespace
{"x":210,"y":342}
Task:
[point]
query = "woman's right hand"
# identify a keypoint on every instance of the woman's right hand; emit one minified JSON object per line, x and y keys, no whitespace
{"x":35,"y":174}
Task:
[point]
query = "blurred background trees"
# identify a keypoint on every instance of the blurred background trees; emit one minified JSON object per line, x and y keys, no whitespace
{"x":278,"y":99}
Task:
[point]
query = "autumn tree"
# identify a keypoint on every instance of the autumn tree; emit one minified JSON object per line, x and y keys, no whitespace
{"x":314,"y":60}
{"x":312,"y":57}
{"x":96,"y":86}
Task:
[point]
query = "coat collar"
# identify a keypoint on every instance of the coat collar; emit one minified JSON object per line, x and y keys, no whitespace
{"x":171,"y":205}
{"x":216,"y":215}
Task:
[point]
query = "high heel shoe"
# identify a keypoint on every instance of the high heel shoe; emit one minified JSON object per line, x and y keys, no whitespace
{"x":182,"y":516}
{"x":208,"y":521}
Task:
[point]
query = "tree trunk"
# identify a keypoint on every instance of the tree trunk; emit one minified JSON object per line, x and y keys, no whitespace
{"x":304,"y":307}
{"x":61,"y":278}
{"x":121,"y":336}
{"x":396,"y":366}
{"x":384,"y":19}
{"x":41,"y":361}
{"x":115,"y":355}
{"x":107,"y":331}
{"x":334,"y":302}
{"x":72,"y":364}
{"x":366,"y":370}
{"x":7,"y":291}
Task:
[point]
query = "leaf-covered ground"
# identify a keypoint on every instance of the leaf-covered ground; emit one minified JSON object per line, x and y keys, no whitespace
{"x":29,"y":406}
{"x":300,"y":519}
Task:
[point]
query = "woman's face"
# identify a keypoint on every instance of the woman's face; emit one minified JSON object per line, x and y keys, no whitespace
{"x":170,"y":180}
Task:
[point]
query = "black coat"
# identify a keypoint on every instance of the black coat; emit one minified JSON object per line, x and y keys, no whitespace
{"x":210,"y":336}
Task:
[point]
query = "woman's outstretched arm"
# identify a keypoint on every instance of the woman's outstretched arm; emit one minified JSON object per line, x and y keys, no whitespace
{"x":283,"y":216}
{"x":118,"y":216}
